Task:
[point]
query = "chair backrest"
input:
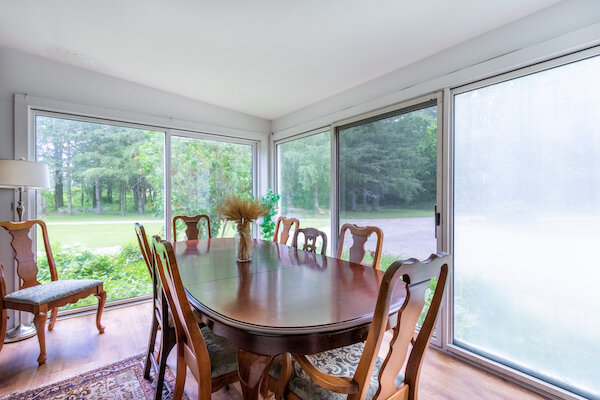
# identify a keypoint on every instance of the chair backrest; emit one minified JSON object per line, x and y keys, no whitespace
{"x":186,"y":327}
{"x":285,"y":224}
{"x":2,"y":290}
{"x":22,"y":244}
{"x":416,"y":277}
{"x":160,"y":306}
{"x":310,"y":239}
{"x":140,"y":232}
{"x":191,"y":232}
{"x":360,"y":235}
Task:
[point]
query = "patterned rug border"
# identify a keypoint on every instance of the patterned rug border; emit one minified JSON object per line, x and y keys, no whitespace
{"x":59,"y":386}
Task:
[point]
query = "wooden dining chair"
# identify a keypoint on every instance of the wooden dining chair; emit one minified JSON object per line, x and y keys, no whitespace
{"x":359,"y":371}
{"x":311,"y":236}
{"x":38,"y":298}
{"x":212,"y":359}
{"x":160,"y":318}
{"x":191,"y":222}
{"x":360,"y":235}
{"x":285,"y":224}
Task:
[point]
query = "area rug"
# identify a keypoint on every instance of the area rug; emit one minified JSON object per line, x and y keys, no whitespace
{"x":121,"y":380}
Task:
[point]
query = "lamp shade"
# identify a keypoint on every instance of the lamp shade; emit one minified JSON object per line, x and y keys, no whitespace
{"x":21,"y":173}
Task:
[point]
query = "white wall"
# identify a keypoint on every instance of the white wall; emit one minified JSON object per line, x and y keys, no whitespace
{"x":22,"y":73}
{"x":564,"y":27}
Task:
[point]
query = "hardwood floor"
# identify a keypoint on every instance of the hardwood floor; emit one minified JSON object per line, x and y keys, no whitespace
{"x":74,"y":346}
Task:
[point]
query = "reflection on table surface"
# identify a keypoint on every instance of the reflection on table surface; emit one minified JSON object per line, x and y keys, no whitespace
{"x":281,"y":287}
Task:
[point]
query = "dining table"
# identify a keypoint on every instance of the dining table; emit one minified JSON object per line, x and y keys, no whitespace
{"x":284,"y":300}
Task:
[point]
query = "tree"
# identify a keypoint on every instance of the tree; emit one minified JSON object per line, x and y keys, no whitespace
{"x":386,"y":161}
{"x":304,"y":169}
{"x":204,"y":172}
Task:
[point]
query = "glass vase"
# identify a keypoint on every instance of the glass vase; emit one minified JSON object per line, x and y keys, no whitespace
{"x":243,"y":243}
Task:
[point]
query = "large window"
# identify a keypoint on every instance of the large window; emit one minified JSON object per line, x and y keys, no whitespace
{"x":103,"y":178}
{"x":203,"y":172}
{"x":387,"y":178}
{"x":106,"y":176}
{"x":304,"y":181}
{"x":526,"y":196}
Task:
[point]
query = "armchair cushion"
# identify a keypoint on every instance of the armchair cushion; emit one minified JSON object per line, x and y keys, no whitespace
{"x":339,"y":362}
{"x":47,"y":292}
{"x":222,"y":353}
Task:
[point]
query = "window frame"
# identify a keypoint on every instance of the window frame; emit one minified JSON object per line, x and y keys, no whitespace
{"x":27,"y":108}
{"x":275,"y":152}
{"x":415,"y":104}
{"x":535,"y":384}
{"x":441,"y":230}
{"x":214,"y":138}
{"x":275,"y":161}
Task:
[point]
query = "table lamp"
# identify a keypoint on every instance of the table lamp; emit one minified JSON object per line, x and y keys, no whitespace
{"x":21,"y":174}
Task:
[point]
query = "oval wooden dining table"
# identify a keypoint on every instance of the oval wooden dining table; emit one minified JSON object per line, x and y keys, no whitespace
{"x":283,"y":300}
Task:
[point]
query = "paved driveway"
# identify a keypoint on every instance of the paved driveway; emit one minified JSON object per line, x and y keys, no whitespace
{"x":402,"y":237}
{"x":405,"y":237}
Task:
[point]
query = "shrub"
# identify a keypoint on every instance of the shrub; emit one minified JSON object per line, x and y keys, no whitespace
{"x":269,"y":201}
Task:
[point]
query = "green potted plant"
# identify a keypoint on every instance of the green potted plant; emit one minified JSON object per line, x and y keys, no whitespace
{"x":269,"y":201}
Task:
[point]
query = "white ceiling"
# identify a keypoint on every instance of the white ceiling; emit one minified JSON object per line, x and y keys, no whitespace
{"x":266,"y":58}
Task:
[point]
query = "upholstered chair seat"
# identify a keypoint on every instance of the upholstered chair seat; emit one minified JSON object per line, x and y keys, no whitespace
{"x":337,"y":362}
{"x":48,"y":292}
{"x":222,"y":353}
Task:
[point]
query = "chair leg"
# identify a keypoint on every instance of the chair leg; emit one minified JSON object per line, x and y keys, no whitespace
{"x":101,"y":301}
{"x":271,"y":387}
{"x":284,"y":376}
{"x":151,"y":343}
{"x":53,"y":313}
{"x":168,"y":341}
{"x":3,"y":322}
{"x":180,"y":376}
{"x":39,"y":320}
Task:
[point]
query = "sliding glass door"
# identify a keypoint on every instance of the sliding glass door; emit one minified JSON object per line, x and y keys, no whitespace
{"x":526,"y":214}
{"x":387,"y":169}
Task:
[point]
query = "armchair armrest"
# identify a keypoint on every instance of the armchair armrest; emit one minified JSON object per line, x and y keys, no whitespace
{"x":339,"y":384}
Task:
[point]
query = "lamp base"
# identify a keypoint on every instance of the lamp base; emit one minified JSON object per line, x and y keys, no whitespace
{"x":20,"y":332}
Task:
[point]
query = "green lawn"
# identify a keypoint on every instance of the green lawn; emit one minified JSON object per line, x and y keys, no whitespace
{"x":78,"y":216}
{"x":97,"y":236}
{"x":79,"y":229}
